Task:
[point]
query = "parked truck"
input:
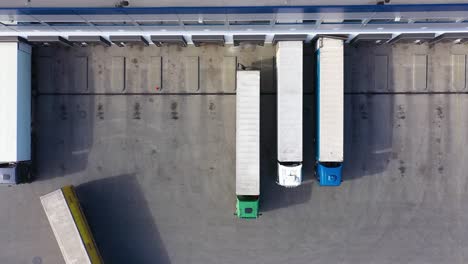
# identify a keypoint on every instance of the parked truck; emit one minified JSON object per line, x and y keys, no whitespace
{"x":15,"y":111}
{"x":248,"y":144}
{"x":289,"y":112}
{"x":330,"y":111}
{"x":70,"y":227}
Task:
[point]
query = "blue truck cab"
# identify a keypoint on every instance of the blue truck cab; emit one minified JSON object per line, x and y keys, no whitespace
{"x":329,"y":173}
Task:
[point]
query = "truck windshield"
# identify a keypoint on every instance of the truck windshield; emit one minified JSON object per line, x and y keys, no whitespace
{"x":289,"y":164}
{"x":331,"y":164}
{"x":247,"y":197}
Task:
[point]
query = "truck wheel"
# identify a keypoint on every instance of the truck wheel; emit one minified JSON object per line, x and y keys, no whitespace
{"x":26,"y":174}
{"x":29,"y":175}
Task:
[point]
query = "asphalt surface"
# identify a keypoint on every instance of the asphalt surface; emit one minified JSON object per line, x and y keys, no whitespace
{"x":152,"y":157}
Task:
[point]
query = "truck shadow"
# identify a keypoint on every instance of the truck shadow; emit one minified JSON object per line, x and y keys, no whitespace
{"x":368,"y":110}
{"x":274,"y":196}
{"x":62,"y":121}
{"x":121,"y":221}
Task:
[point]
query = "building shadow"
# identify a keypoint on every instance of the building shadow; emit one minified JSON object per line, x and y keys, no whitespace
{"x":121,"y":221}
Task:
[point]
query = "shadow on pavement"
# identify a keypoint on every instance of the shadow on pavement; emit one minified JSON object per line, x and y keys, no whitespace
{"x":368,"y":117}
{"x":274,"y":196}
{"x":121,"y":221}
{"x":62,"y":124}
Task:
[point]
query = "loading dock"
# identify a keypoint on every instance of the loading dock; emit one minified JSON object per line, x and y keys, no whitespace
{"x":122,"y":41}
{"x":84,"y":41}
{"x":160,"y":40}
{"x":143,"y":144}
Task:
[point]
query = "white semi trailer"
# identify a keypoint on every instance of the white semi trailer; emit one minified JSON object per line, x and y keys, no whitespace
{"x":289,"y":106}
{"x":248,"y":143}
{"x":70,"y":227}
{"x":330,"y":110}
{"x":15,"y":111}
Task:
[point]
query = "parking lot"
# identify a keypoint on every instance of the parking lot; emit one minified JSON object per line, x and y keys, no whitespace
{"x":147,"y":135}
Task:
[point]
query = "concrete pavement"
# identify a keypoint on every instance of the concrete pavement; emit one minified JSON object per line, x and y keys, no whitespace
{"x":154,"y":169}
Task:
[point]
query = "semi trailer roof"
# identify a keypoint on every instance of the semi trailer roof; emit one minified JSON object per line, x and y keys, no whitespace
{"x":15,"y":104}
{"x":64,"y":221}
{"x":330,"y":99}
{"x":289,"y":88}
{"x":248,"y":133}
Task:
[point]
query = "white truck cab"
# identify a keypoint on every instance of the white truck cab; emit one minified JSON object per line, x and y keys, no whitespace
{"x":289,"y":175}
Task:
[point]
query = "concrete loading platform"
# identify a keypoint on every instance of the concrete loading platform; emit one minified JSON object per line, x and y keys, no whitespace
{"x":147,"y":134}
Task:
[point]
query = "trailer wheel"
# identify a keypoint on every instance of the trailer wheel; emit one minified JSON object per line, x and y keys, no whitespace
{"x":25,"y":173}
{"x":28,"y":175}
